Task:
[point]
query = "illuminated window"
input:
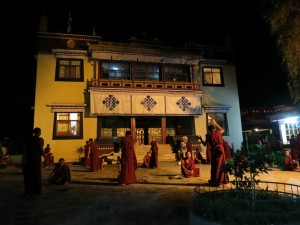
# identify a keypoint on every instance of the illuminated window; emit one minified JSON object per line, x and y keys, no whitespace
{"x":69,"y":70}
{"x":212,"y":76}
{"x":67,"y":125}
{"x":115,"y":70}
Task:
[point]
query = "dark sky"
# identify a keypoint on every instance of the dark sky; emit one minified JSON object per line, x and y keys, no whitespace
{"x":261,"y":79}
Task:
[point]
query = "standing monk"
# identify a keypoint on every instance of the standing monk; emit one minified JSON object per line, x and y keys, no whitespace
{"x":87,"y":152}
{"x":95,"y":161}
{"x":32,"y":164}
{"x":154,"y":154}
{"x":128,"y":161}
{"x":294,"y":148}
{"x":215,"y":139}
{"x":49,"y":160}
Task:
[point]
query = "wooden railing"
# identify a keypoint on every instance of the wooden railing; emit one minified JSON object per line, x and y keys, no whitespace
{"x":103,"y":83}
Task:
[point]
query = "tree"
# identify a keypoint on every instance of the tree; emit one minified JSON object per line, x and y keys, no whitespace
{"x":284,"y":19}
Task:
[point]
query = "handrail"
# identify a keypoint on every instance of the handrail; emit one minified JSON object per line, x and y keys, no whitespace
{"x":109,"y":83}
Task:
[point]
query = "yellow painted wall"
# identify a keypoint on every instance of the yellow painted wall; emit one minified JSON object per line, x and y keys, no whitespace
{"x":49,"y":91}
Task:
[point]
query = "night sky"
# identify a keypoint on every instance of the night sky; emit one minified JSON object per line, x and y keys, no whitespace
{"x":261,"y":78}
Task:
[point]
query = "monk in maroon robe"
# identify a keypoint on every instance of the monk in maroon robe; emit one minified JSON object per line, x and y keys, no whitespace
{"x":49,"y":159}
{"x":87,"y":159}
{"x":289,"y":164}
{"x":128,"y":162}
{"x":227,"y":150}
{"x":95,"y":161}
{"x":61,"y":174}
{"x":188,"y":168}
{"x":154,"y":154}
{"x":146,"y":160}
{"x":215,"y":139}
{"x":294,"y":148}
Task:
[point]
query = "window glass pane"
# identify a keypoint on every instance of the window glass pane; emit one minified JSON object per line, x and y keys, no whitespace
{"x":68,"y":125}
{"x":217,"y":79}
{"x":69,"y":70}
{"x":212,"y":76}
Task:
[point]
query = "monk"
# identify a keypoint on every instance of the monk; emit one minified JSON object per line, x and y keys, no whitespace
{"x":49,"y":159}
{"x":87,"y":152}
{"x":215,"y":139}
{"x":154,"y":154}
{"x":289,"y":164}
{"x":128,"y":162}
{"x":61,"y":174}
{"x":188,"y":168}
{"x":95,"y":161}
{"x":146,"y":160}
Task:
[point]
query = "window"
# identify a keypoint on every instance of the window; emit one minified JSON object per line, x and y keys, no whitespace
{"x":115,"y":70}
{"x":178,"y":73}
{"x":146,"y":72}
{"x":69,"y":70}
{"x":221,"y":119}
{"x":212,"y":76}
{"x":67,"y":125}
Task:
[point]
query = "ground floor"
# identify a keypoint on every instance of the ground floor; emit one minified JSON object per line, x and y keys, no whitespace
{"x":144,"y":128}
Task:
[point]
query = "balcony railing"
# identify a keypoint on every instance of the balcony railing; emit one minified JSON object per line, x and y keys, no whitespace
{"x":108,"y":83}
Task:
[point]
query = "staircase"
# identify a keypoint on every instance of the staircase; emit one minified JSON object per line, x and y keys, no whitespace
{"x":164,"y":153}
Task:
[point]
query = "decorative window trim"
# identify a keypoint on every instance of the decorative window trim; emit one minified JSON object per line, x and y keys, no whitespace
{"x":67,"y":107}
{"x":69,"y":54}
{"x":216,"y":108}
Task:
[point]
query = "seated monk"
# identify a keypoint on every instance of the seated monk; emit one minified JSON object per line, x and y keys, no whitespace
{"x":146,"y":160}
{"x":289,"y":164}
{"x":198,"y":157}
{"x":60,"y":174}
{"x":188,"y":168}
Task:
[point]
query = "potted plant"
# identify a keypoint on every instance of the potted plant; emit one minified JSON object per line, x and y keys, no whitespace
{"x":79,"y":150}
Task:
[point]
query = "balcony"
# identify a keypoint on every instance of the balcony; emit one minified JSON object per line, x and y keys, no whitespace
{"x":148,"y":85}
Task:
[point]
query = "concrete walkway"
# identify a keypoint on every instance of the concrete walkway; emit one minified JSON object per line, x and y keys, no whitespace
{"x":96,"y":198}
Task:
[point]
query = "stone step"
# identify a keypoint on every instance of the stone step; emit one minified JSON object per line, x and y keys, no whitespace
{"x":164,"y":153}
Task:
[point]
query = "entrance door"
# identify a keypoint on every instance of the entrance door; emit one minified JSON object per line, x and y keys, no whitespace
{"x":148,"y":127}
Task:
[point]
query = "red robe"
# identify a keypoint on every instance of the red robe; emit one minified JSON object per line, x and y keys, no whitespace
{"x":154,"y":155}
{"x":49,"y":159}
{"x":95,"y":161}
{"x":289,"y":164}
{"x":146,"y":161}
{"x":87,"y":160}
{"x":128,"y":162}
{"x":189,"y":169}
{"x":227,"y":150}
{"x":294,"y":149}
{"x":217,"y":177}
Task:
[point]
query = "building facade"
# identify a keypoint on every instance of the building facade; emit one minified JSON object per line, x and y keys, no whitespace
{"x":90,"y":88}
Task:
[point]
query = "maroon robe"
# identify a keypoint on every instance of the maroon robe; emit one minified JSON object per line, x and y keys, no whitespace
{"x":146,"y":161}
{"x":154,"y":155}
{"x":227,"y":150}
{"x":289,"y":164}
{"x":217,"y":177}
{"x":87,"y":160}
{"x":189,"y":169}
{"x":294,"y":148}
{"x":60,"y":175}
{"x":49,"y":159}
{"x":128,"y":162}
{"x":95,"y":161}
